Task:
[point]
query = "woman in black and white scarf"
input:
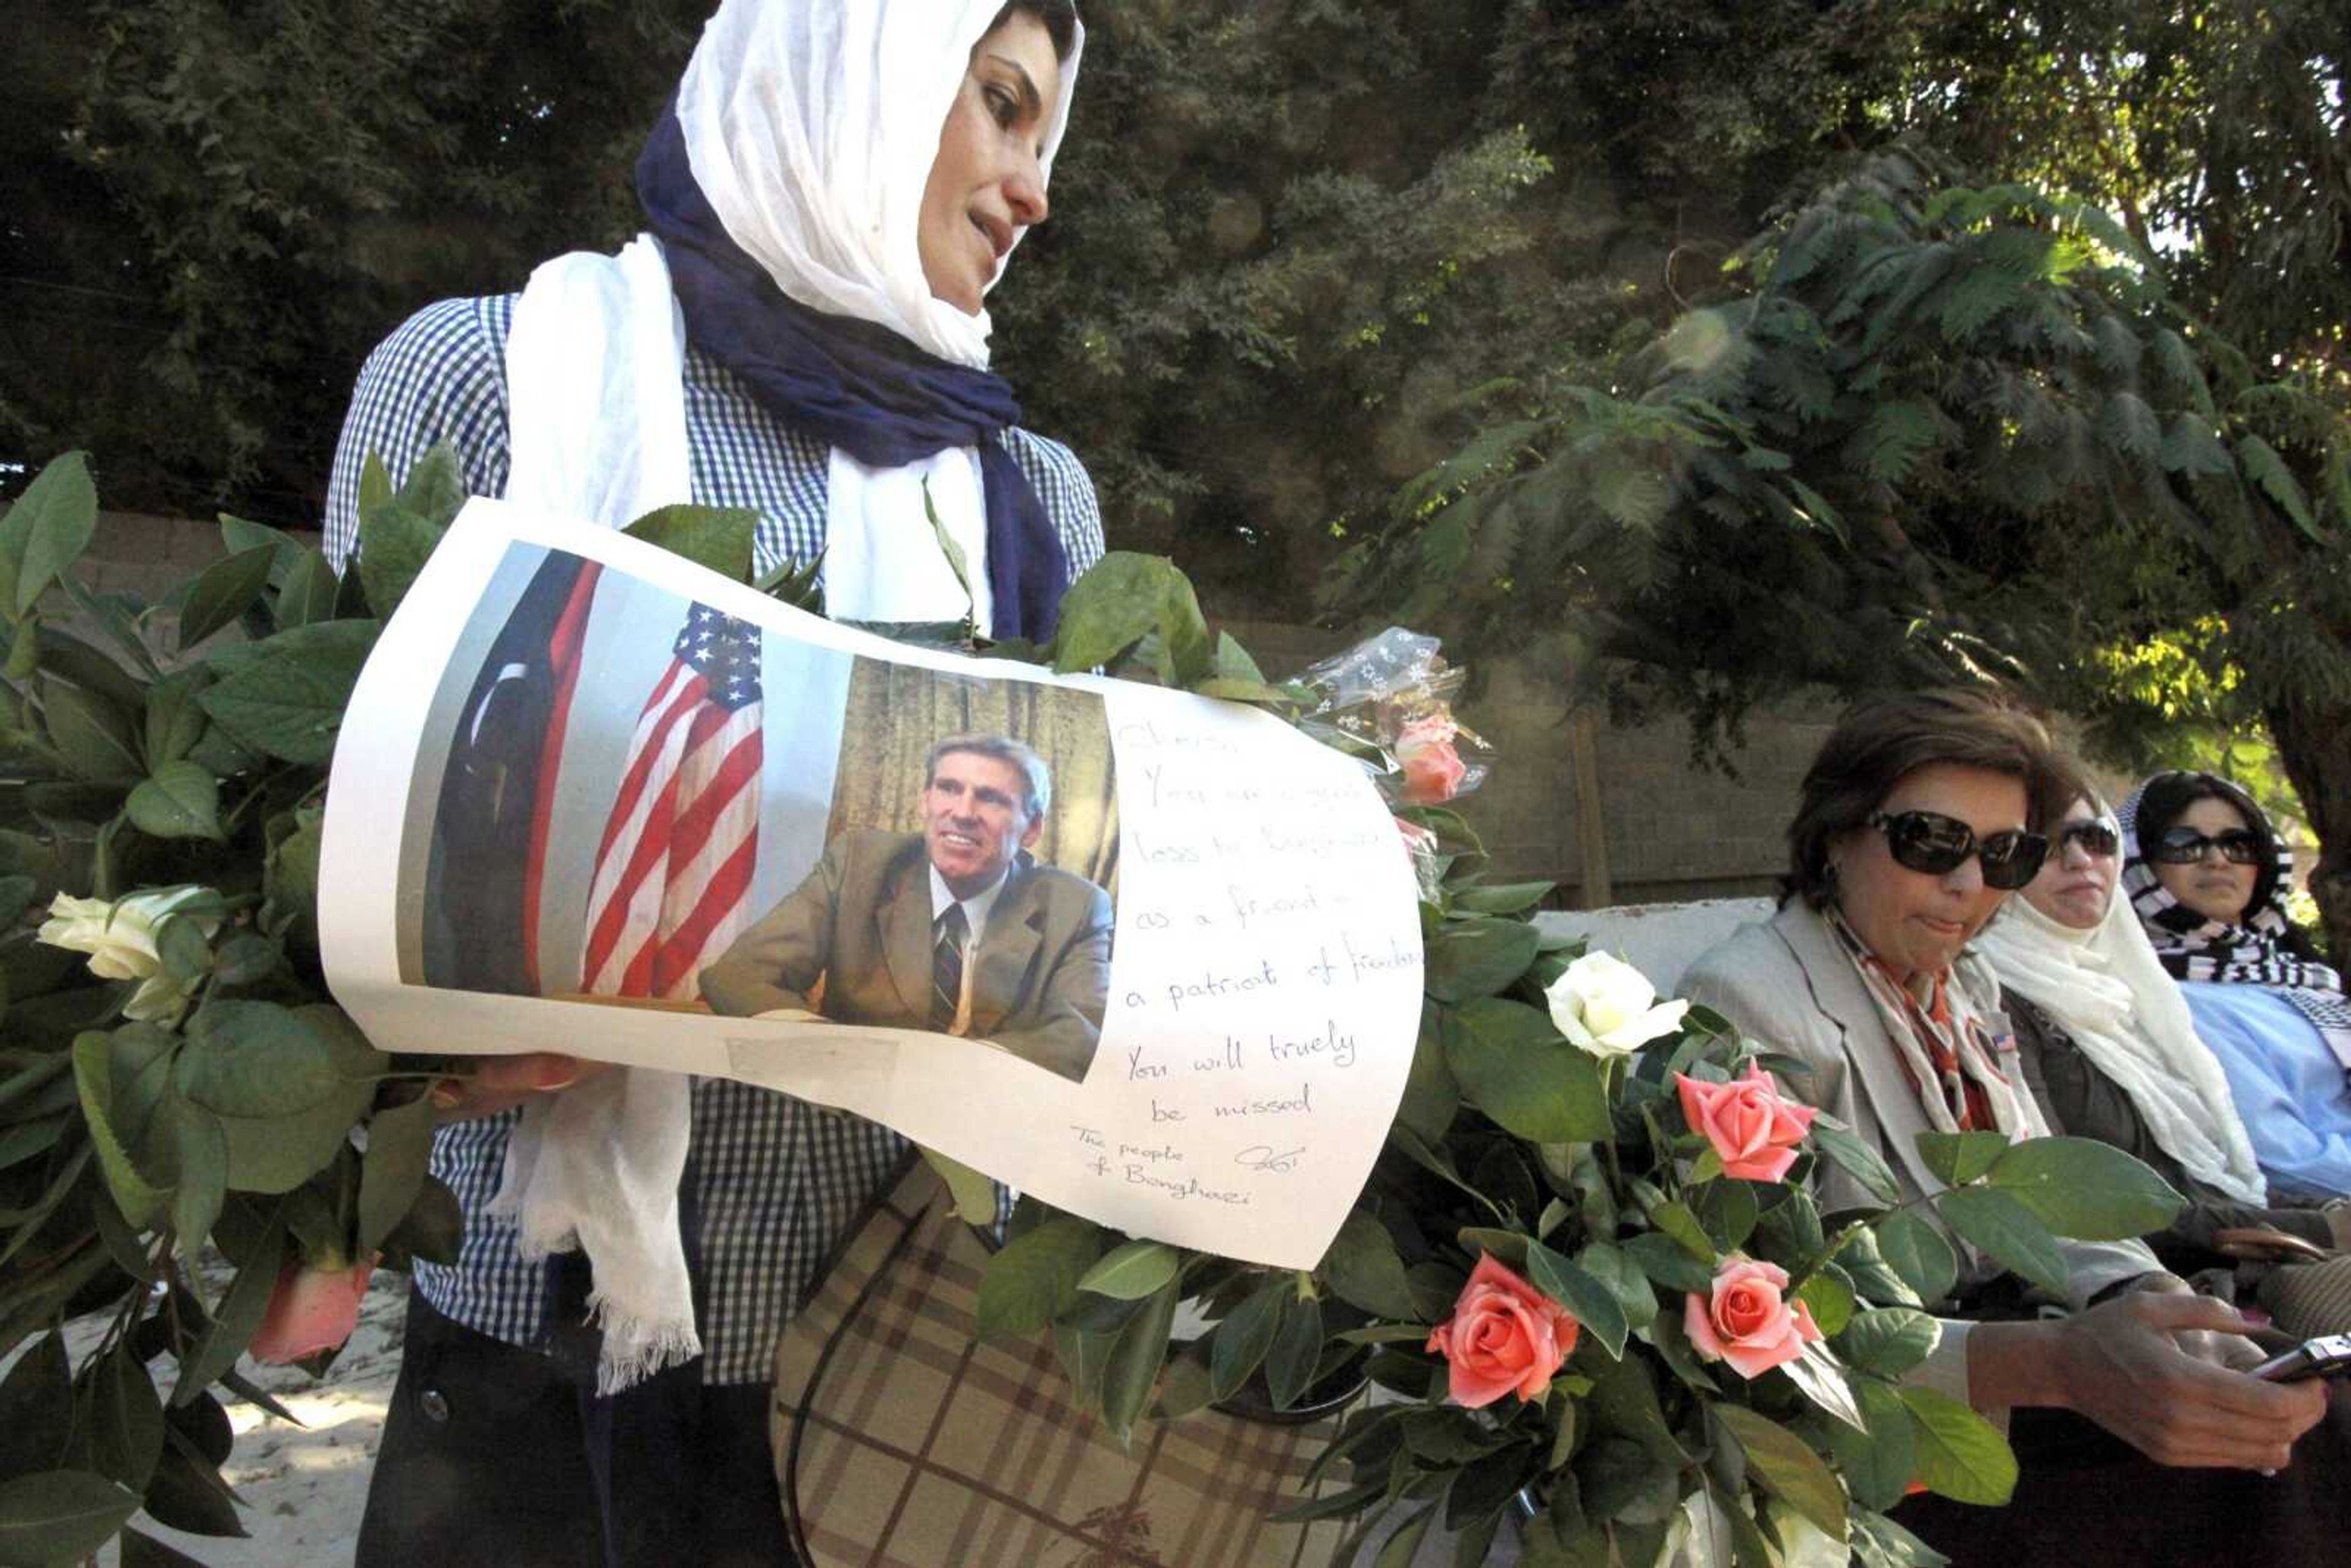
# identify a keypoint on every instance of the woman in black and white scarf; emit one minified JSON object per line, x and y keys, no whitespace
{"x":2209,"y":875}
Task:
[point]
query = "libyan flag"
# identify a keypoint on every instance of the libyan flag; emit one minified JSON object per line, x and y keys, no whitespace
{"x":488,"y":855}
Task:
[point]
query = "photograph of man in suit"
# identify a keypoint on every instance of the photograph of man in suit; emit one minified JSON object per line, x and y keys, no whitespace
{"x":955,"y":929}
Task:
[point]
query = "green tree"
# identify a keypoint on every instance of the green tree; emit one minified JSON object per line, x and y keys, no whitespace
{"x":1932,"y":432}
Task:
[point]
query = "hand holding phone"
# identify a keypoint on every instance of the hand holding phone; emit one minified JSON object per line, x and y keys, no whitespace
{"x":2327,"y":1356}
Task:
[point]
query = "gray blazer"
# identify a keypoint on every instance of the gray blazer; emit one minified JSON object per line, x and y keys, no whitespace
{"x":1788,"y":983}
{"x":860,"y":923}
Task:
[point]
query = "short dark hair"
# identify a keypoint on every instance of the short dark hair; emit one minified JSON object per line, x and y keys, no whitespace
{"x":2165,"y":798}
{"x":1881,"y":741}
{"x":1060,"y":18}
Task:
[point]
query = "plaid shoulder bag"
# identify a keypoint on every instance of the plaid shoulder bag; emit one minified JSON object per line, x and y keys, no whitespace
{"x":902,"y":1442}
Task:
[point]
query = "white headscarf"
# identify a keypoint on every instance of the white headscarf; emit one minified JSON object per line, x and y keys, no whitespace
{"x":811,"y":126}
{"x":2104,"y":988}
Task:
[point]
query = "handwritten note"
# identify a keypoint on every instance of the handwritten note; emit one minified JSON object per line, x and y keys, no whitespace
{"x":1266,"y":992}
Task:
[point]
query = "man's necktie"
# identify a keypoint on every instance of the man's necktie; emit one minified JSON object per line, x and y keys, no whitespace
{"x":946,"y":970}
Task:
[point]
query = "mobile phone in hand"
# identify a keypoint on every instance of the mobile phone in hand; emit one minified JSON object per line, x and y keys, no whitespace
{"x":2327,"y":1356}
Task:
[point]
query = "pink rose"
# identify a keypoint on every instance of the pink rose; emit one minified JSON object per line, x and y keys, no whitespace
{"x":1751,"y":1124}
{"x":312,"y":1309}
{"x":1504,"y":1335}
{"x":1748,"y":1323}
{"x":1433,"y":774}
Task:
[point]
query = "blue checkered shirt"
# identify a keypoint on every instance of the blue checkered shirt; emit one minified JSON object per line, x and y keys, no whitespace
{"x":777,"y":1180}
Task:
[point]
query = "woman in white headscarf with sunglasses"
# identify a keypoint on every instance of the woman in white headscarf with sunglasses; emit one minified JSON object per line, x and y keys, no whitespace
{"x":802,"y":332}
{"x":2109,"y":1049}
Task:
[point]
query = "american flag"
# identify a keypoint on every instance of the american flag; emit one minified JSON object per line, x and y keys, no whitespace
{"x":674,"y":867}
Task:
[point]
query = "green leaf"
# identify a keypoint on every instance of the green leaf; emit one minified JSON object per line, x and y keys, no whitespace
{"x":1431,"y":1098}
{"x":1857,"y":1159}
{"x":1233,"y":663}
{"x":141,"y":1550}
{"x":274,"y":1154}
{"x":2005,"y":1230}
{"x":60,"y":1516}
{"x":1918,"y":1253}
{"x":1477,"y":957}
{"x":394,"y":544}
{"x":1297,"y":1349}
{"x":1124,"y":598}
{"x":238,"y":536}
{"x":309,"y":592}
{"x":91,"y":736}
{"x":1238,"y":1345}
{"x":1961,"y":1456}
{"x":1675,"y":1221}
{"x":1889,"y":1341}
{"x":391,"y":1173}
{"x":1035,"y":1278}
{"x":1135,"y":1358}
{"x":1511,"y":1062}
{"x":36,"y":1407}
{"x":126,"y":1418}
{"x":2265,"y":468}
{"x":239,"y":1317}
{"x":47,"y":528}
{"x":246,"y":958}
{"x":1593,"y":1303}
{"x":718,"y":539}
{"x":187,"y":1492}
{"x":178,"y":801}
{"x":24,"y":649}
{"x":1786,"y":1466}
{"x":175,"y":719}
{"x":1831,"y":1300}
{"x":141,"y":1200}
{"x":1958,"y":1158}
{"x":1624,"y":1279}
{"x":1502,"y":898}
{"x":1878,"y":1463}
{"x":1405,"y":1544}
{"x":1131,"y":1271}
{"x":1668,"y":1262}
{"x":256,"y":1058}
{"x":225,"y":591}
{"x":288,"y":699}
{"x":88,"y":669}
{"x":435,"y":487}
{"x":2081,"y":1188}
{"x":433,"y":1228}
{"x":1624,"y":1400}
{"x":187,"y":1141}
{"x":1364,"y":1269}
{"x":973,"y":1195}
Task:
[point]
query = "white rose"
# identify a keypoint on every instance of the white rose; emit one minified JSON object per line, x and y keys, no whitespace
{"x":119,"y":939}
{"x":1608,"y":1008}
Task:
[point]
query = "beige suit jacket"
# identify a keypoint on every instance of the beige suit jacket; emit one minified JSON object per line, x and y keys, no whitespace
{"x":860,"y":923}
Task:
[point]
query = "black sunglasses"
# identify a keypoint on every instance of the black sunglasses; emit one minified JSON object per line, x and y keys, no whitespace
{"x":2185,"y":846}
{"x":1931,"y":842}
{"x":2098,"y":837}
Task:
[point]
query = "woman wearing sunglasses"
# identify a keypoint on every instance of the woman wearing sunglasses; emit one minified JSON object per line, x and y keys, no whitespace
{"x":2106,"y":1044}
{"x":2207,"y":876}
{"x":1918,"y":818}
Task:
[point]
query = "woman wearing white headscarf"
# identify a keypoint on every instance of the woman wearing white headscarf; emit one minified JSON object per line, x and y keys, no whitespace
{"x":2207,"y":876}
{"x":2109,"y":1048}
{"x":802,"y":332}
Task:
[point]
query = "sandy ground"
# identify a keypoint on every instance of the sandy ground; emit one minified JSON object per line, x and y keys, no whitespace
{"x":303,"y":1485}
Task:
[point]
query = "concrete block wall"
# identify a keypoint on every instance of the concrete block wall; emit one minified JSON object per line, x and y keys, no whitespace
{"x":1674,"y":832}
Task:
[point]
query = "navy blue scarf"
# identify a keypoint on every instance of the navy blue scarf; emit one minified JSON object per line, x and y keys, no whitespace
{"x":853,"y":384}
